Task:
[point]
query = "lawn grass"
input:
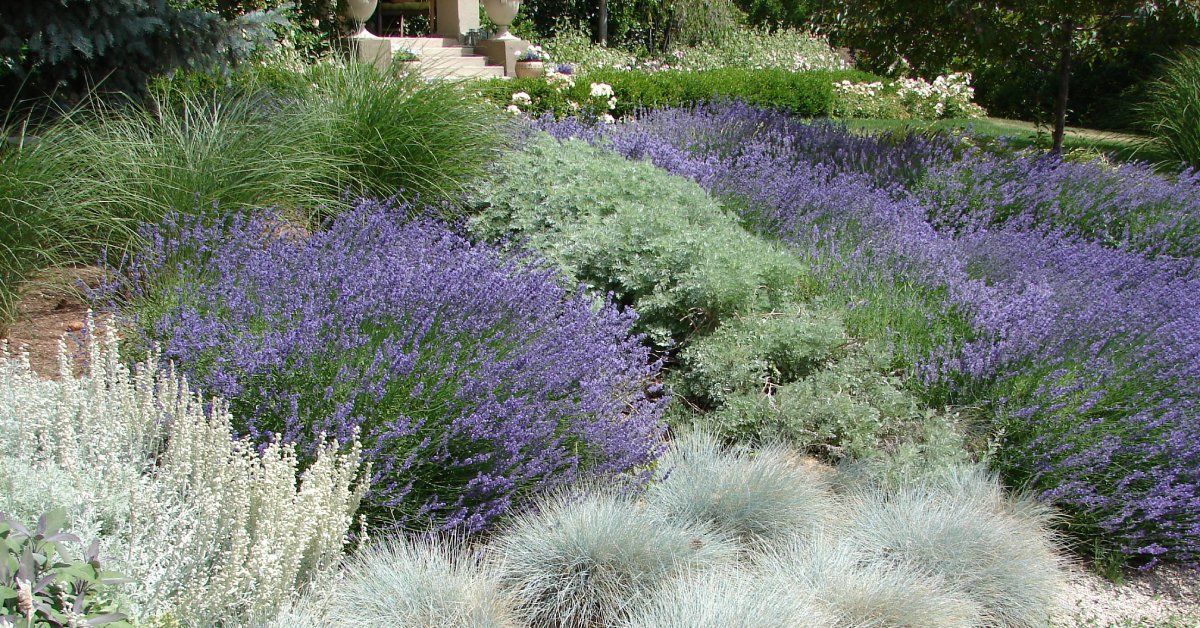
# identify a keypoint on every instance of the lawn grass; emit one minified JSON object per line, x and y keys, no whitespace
{"x":1021,"y":134}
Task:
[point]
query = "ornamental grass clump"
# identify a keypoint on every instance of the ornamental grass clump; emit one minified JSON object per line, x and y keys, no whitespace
{"x":474,"y":379}
{"x":397,"y":133}
{"x":593,"y":559}
{"x":728,"y":598}
{"x":756,"y":497}
{"x":1171,"y":110}
{"x":962,"y":527}
{"x":860,"y":592}
{"x":209,"y":529}
{"x":405,"y":584}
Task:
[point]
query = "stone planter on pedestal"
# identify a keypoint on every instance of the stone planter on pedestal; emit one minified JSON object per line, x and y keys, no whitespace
{"x":360,"y":11}
{"x":530,"y":69}
{"x":504,"y":47}
{"x":502,"y":12}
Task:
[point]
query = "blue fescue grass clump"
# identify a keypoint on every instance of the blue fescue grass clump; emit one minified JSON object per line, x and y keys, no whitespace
{"x":408,"y":583}
{"x":593,"y":559}
{"x":728,"y":598}
{"x":757,"y":497}
{"x":474,"y":379}
{"x":1062,"y":299}
{"x":961,"y":526}
{"x":729,"y":538}
{"x":861,"y":592}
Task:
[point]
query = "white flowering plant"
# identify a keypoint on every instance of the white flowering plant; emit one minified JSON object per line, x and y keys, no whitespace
{"x":557,"y":93}
{"x":947,"y":96}
{"x":210,"y":529}
{"x":751,"y":48}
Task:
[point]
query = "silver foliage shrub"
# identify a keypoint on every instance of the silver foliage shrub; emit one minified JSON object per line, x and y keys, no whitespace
{"x":209,"y":529}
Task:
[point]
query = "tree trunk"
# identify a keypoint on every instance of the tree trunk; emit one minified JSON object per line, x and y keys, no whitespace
{"x":1064,"y":84}
{"x":602,"y":26}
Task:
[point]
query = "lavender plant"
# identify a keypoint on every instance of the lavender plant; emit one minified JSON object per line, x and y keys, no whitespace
{"x":1071,"y":316}
{"x":474,"y":379}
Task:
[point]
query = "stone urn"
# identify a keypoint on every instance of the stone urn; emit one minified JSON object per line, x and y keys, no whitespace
{"x":502,"y":12}
{"x":530,"y":69}
{"x":360,"y":11}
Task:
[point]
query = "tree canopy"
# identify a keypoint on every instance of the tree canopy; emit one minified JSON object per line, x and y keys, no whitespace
{"x":933,"y":36}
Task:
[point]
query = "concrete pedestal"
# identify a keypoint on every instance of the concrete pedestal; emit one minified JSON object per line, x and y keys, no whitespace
{"x":456,"y":17}
{"x":374,"y":50}
{"x":503,"y":52}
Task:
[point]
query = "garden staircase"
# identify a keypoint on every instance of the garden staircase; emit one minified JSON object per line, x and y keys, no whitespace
{"x":438,"y":58}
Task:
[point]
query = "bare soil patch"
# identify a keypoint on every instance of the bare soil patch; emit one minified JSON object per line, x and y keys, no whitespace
{"x":52,"y":306}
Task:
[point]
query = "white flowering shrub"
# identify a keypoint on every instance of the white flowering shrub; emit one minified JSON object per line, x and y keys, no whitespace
{"x":558,"y":94}
{"x":948,"y":96}
{"x":209,"y":529}
{"x":740,"y":48}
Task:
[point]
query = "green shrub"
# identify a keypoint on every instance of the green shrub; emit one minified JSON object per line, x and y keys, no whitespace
{"x":959,"y":525}
{"x":41,"y":586}
{"x":121,"y":42}
{"x":737,"y":47}
{"x":702,"y":22}
{"x":758,"y":353}
{"x":656,"y":241}
{"x":1171,"y":110}
{"x":757,"y":497}
{"x":753,"y":48}
{"x":405,"y":583}
{"x":847,"y":410}
{"x":808,"y":94}
{"x":590,"y":560}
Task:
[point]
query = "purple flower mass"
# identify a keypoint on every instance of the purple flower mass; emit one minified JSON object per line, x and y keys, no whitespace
{"x":1077,"y":283}
{"x":473,"y":380}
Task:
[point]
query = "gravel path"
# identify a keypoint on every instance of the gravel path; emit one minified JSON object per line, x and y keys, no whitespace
{"x":1167,"y":597}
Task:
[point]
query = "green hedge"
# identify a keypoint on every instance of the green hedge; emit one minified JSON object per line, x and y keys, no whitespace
{"x":807,"y":94}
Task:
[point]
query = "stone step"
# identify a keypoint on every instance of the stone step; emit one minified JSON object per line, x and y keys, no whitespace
{"x":422,"y":43}
{"x":441,"y":53}
{"x":490,"y":71}
{"x":437,"y":57}
{"x":452,"y":62}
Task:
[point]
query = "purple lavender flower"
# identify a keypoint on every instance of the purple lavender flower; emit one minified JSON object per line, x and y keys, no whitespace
{"x":1076,"y":284}
{"x":474,"y":380}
